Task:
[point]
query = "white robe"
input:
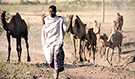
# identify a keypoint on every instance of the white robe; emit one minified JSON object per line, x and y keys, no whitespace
{"x":52,"y":36}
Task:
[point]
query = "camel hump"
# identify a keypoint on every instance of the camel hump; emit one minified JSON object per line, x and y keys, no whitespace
{"x":91,"y":36}
{"x":116,"y":37}
{"x":19,"y":23}
{"x":79,"y":28}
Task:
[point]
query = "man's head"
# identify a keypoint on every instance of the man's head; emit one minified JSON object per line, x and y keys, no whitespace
{"x":52,"y":10}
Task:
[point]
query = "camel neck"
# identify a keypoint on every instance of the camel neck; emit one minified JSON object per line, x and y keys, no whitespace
{"x":70,"y":28}
{"x":3,"y":19}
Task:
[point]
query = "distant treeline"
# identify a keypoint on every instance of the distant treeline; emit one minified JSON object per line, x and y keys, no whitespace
{"x":63,"y":1}
{"x":118,"y":4}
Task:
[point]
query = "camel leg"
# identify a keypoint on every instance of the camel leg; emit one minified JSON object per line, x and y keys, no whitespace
{"x":89,"y":52}
{"x":100,"y":52}
{"x":20,"y":46}
{"x":120,"y":27}
{"x":9,"y":47}
{"x":104,"y":52}
{"x":85,"y":52}
{"x":112,"y":53}
{"x":107,"y":52}
{"x":93,"y":50}
{"x":75,"y":49}
{"x":119,"y":51}
{"x":18,"y":39}
{"x":80,"y":50}
{"x":27,"y":46}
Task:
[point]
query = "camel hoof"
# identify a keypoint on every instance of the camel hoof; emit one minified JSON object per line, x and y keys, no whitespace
{"x":8,"y":60}
{"x":111,"y":64}
{"x":88,"y":61}
{"x":81,"y":60}
{"x":74,"y":62}
{"x":19,"y":61}
{"x":28,"y":59}
{"x":85,"y":59}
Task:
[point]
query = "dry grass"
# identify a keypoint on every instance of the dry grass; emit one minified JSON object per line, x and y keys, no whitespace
{"x":23,"y":71}
{"x":32,"y":14}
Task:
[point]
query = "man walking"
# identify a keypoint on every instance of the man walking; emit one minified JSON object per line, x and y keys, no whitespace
{"x":52,"y":40}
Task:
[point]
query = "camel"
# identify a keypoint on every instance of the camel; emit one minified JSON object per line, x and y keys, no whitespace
{"x":78,"y":31}
{"x":91,"y":42}
{"x":103,"y":41}
{"x":16,"y":28}
{"x":114,"y":40}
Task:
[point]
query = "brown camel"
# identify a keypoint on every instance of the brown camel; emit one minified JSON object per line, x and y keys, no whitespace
{"x":91,"y":43}
{"x":78,"y":30}
{"x":16,"y":28}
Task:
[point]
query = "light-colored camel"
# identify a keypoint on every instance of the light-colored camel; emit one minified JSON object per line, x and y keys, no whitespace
{"x":114,"y":40}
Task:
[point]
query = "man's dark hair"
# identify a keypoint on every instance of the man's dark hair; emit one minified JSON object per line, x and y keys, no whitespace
{"x":53,"y":7}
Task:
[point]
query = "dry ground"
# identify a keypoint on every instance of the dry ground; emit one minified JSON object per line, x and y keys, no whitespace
{"x":36,"y":69}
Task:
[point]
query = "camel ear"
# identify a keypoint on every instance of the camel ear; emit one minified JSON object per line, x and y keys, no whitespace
{"x":71,"y":16}
{"x":17,"y":12}
{"x":77,"y":16}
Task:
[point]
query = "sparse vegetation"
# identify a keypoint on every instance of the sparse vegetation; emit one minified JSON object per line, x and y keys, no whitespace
{"x":22,"y":71}
{"x":26,"y":71}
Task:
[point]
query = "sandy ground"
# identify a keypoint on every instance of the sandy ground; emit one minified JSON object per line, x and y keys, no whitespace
{"x":82,"y":70}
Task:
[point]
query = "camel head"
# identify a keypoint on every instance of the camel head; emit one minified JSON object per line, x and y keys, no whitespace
{"x":3,"y":12}
{"x":80,"y":22}
{"x":104,"y":37}
{"x":3,"y":15}
{"x":90,"y":30}
{"x":3,"y":19}
{"x":70,"y":18}
{"x":18,"y":15}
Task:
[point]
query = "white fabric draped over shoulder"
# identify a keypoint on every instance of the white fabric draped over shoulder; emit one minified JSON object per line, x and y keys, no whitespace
{"x":52,"y":36}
